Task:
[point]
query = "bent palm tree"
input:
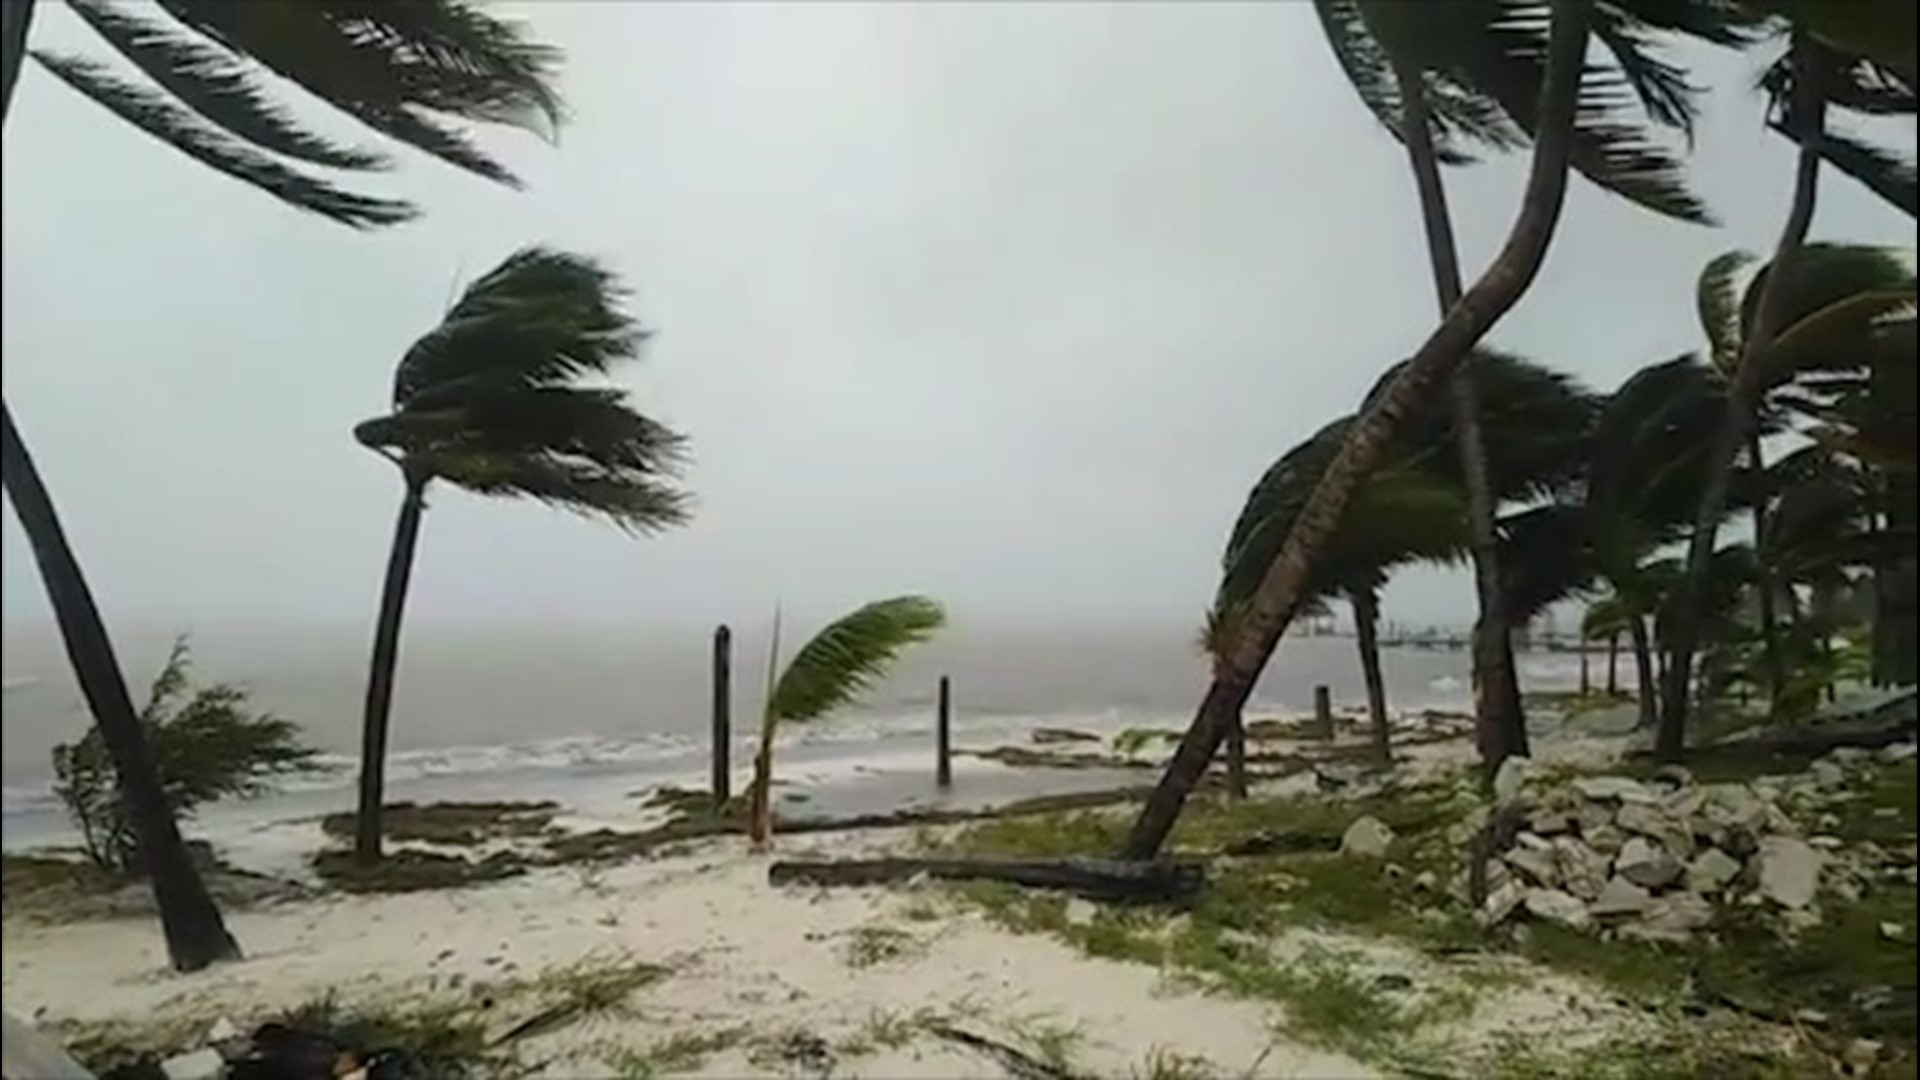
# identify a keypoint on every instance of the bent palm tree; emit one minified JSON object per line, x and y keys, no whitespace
{"x":830,"y":672}
{"x":1284,"y":584}
{"x":491,"y":401}
{"x":1437,"y":83}
{"x":401,"y":70}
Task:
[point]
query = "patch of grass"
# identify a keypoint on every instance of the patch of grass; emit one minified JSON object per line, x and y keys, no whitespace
{"x":870,"y":946}
{"x":680,"y":1052}
{"x":1027,"y":757}
{"x":1162,"y":1063}
{"x":451,"y":824}
{"x":1134,"y":740}
{"x":885,"y":1029}
{"x":1884,"y":808}
{"x":412,"y":870}
{"x":1050,"y":1040}
{"x":1698,"y":1054}
{"x":591,"y":988}
{"x":442,"y":1040}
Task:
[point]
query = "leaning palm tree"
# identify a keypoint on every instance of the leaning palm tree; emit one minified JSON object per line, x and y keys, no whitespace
{"x":408,"y":72}
{"x":492,"y":401}
{"x":1439,"y":84}
{"x":830,"y":672}
{"x":1288,"y":577}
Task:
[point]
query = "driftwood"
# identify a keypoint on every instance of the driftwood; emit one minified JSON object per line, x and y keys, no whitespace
{"x":1019,"y":1064}
{"x":1161,"y":881}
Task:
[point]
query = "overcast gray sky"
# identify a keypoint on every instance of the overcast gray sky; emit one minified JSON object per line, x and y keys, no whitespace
{"x":1006,"y":302}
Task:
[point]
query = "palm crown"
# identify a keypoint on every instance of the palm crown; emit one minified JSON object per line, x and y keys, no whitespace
{"x":490,"y":400}
{"x":403,"y":68}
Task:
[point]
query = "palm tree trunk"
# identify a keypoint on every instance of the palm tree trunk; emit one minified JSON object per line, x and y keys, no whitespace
{"x":1499,"y":717}
{"x":1769,"y":587}
{"x":1807,"y":114}
{"x":1643,"y":667}
{"x":196,"y":935}
{"x":1366,"y":627}
{"x":1506,"y":278}
{"x":760,"y":795}
{"x":1237,"y":756}
{"x":1586,"y":674}
{"x":382,"y":669}
{"x":1613,"y":664}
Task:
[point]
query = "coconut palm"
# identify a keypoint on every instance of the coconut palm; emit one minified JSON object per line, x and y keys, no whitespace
{"x":1860,"y":87}
{"x":1287,"y":578}
{"x":412,"y":73}
{"x":1606,"y":618}
{"x":1400,"y":515}
{"x":1816,"y":310}
{"x":829,"y":673}
{"x":1440,"y":85}
{"x":494,"y":400}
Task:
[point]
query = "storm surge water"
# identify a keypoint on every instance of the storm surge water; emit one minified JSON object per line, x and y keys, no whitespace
{"x":587,"y":715}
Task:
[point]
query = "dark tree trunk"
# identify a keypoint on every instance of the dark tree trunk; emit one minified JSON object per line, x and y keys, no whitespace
{"x":1366,"y":634}
{"x":1237,"y":756}
{"x":196,"y":935}
{"x":382,"y":669}
{"x":1807,"y":114}
{"x":1273,"y":604}
{"x":1586,"y":673}
{"x":1768,"y":586}
{"x":1613,"y":664}
{"x":1648,"y":696}
{"x":1499,"y":717}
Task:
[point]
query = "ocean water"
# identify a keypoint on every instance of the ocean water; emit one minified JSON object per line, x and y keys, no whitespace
{"x":587,"y":715}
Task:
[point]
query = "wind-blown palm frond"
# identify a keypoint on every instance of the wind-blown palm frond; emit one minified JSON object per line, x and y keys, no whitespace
{"x":847,"y":657}
{"x":217,"y":85}
{"x":1718,"y":300}
{"x":178,"y":128}
{"x":487,"y":401}
{"x":1546,"y":556}
{"x":1650,"y":446}
{"x":1863,"y":87}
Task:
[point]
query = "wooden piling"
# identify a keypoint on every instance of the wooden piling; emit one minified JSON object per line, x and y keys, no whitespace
{"x":1323,"y":713}
{"x":722,"y":716}
{"x":943,"y":736}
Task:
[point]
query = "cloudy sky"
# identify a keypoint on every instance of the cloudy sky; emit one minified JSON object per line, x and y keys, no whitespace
{"x":1009,"y":303}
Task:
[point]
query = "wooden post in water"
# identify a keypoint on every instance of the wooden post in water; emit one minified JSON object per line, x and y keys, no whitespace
{"x":722,"y":716}
{"x":943,"y":736}
{"x":1322,"y":713}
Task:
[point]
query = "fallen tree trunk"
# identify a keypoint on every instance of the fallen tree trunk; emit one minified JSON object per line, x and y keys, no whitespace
{"x":1160,"y":881}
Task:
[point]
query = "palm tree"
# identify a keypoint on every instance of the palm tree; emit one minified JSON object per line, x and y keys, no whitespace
{"x":1400,"y":515}
{"x":1606,"y":618}
{"x":1286,"y":580}
{"x":830,"y":672}
{"x":1439,"y":83}
{"x":492,"y":401}
{"x":1863,"y":87}
{"x":402,"y":70}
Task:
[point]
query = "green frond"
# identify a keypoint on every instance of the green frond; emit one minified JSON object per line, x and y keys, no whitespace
{"x":1605,"y":617}
{"x":541,"y":316}
{"x":1832,"y":335}
{"x":845,"y":659}
{"x":1883,"y":172}
{"x":593,"y":424}
{"x":178,"y":128}
{"x":396,"y":67}
{"x":636,"y":502}
{"x":1663,"y":88}
{"x":1822,"y":275}
{"x":1718,"y":302}
{"x":1545,"y":557}
{"x":1651,"y":442}
{"x":216,"y":85}
{"x":1366,"y":65}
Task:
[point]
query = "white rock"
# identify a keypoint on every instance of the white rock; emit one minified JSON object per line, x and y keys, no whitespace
{"x":1671,"y":918}
{"x":1556,"y":906}
{"x":1367,"y":838}
{"x":1894,"y":753}
{"x":1426,"y":881}
{"x":1674,"y":776}
{"x":1827,"y":774}
{"x":1893,"y":931}
{"x":1826,"y":843}
{"x":1081,"y":912}
{"x":1548,"y":822}
{"x":1606,"y":839}
{"x":1501,"y":903}
{"x":1613,"y":789}
{"x":1592,"y":816}
{"x":1647,"y":864}
{"x":1789,"y":871}
{"x":1582,"y":870}
{"x":1711,"y":871}
{"x":1645,"y":820}
{"x":202,"y":1064}
{"x":1620,"y":897}
{"x":1509,"y":779}
{"x":1862,"y":1053}
{"x":221,"y":1031}
{"x":1538,"y":866}
{"x":1734,"y":806}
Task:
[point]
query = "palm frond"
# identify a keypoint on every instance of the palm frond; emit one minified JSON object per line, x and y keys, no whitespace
{"x":1663,"y":88}
{"x":1650,"y":445}
{"x":1546,"y":557}
{"x":218,"y":86}
{"x":1718,"y":302}
{"x":593,"y":424}
{"x":636,"y":502}
{"x":394,"y":67}
{"x":1883,"y":172}
{"x":542,"y":316}
{"x":846,"y":658}
{"x":180,"y":129}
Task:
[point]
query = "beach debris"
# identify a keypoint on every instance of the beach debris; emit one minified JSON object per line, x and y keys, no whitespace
{"x":1509,"y":779}
{"x":1165,"y":881}
{"x":1647,"y":864}
{"x":1789,"y":871}
{"x":1367,"y":838}
{"x":1019,"y":1064}
{"x":1620,"y":897}
{"x":1049,"y":736}
{"x":202,"y":1064}
{"x":1556,"y":906}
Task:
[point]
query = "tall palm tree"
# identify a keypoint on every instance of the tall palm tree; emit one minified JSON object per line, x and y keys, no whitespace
{"x":1438,"y":84}
{"x":829,"y":673}
{"x":492,"y":401}
{"x":405,"y":71}
{"x":1286,"y":580}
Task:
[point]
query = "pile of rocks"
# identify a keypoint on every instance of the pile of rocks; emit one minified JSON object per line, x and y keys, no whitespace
{"x":1652,"y":859}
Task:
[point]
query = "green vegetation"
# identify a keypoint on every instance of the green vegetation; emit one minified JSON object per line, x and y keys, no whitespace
{"x":208,"y":744}
{"x":412,"y":870}
{"x":453,"y":824}
{"x":868,"y":946}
